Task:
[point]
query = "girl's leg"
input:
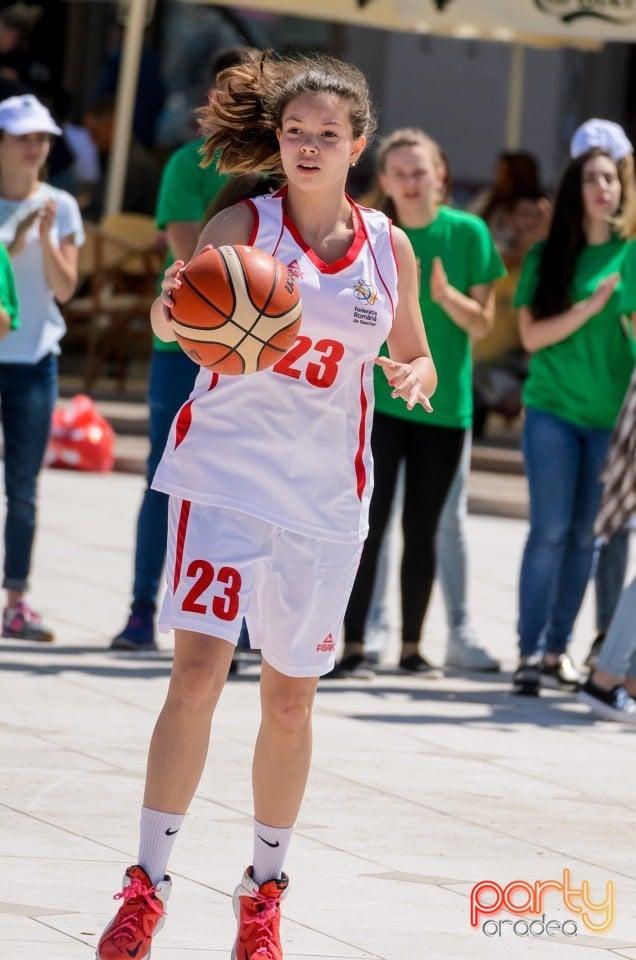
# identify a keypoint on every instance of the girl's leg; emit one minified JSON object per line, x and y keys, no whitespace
{"x":279,"y":776}
{"x":387,"y":441}
{"x":576,"y":563}
{"x":172,"y":377}
{"x":179,"y":744}
{"x":283,"y":747}
{"x":609,"y":577}
{"x":617,"y":656}
{"x":450,"y":544}
{"x":426,"y":488}
{"x":551,"y":455}
{"x":175,"y":762}
{"x":28,"y":399}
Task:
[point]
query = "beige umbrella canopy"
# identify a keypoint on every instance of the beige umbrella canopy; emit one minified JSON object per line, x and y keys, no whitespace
{"x":539,"y":22}
{"x":530,"y":21}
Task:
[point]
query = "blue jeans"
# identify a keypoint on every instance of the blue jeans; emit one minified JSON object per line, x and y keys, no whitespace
{"x":452,"y":559}
{"x":172,"y":377}
{"x":609,"y":578}
{"x":618,"y":653}
{"x":27,"y":398}
{"x":563,"y":464}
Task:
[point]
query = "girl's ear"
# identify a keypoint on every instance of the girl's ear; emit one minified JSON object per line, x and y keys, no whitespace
{"x":356,"y":152}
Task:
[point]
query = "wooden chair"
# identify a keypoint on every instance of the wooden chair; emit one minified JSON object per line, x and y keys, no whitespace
{"x":119,"y":267}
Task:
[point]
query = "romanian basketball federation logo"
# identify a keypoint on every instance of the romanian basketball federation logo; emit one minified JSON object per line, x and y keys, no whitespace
{"x":365,"y":291}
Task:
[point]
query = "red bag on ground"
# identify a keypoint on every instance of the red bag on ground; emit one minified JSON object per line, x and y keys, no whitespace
{"x":81,"y":438}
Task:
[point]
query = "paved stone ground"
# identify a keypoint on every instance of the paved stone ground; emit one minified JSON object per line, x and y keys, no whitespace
{"x":420,"y":789}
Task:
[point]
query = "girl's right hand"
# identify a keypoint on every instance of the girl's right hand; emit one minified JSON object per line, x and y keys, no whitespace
{"x":603,"y":292}
{"x":171,"y":282}
{"x":23,"y":227}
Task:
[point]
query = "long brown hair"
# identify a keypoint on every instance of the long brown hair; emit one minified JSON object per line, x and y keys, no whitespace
{"x":245,"y":110}
{"x":566,"y":238}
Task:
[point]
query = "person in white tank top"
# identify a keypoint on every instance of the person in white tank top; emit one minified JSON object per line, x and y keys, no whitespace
{"x":270,"y":475}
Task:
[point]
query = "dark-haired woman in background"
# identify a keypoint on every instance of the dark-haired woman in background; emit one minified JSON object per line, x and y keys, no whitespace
{"x":575,"y":291}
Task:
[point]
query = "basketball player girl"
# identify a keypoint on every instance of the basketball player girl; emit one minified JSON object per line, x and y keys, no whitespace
{"x":270,"y":475}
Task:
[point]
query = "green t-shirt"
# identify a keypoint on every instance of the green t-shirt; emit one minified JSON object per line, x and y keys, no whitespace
{"x":468,"y":254}
{"x":185,"y":192}
{"x":8,"y":292}
{"x":583,"y":378}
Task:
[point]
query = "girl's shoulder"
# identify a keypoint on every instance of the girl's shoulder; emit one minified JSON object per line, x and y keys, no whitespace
{"x":461,"y":221}
{"x":533,"y":253}
{"x":374,"y":220}
{"x":60,"y":197}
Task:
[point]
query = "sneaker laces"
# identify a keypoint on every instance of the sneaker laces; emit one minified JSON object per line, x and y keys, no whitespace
{"x":260,"y":917}
{"x":128,"y":926}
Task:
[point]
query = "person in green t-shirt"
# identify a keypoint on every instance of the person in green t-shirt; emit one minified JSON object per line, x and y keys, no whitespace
{"x":577,"y":297}
{"x":458,"y":266}
{"x":186,"y":191}
{"x":8,"y":295}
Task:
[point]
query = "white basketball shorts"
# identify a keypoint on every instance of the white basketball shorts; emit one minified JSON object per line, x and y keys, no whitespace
{"x":293,"y":590}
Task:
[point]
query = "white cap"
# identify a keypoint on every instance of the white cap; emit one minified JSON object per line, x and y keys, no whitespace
{"x":25,"y":114}
{"x":605,"y":134}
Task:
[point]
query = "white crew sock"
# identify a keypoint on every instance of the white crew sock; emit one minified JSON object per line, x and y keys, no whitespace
{"x":157,"y":835}
{"x":270,"y":850}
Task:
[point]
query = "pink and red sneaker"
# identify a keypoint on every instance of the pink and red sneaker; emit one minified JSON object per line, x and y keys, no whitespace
{"x":23,"y":623}
{"x":142,"y":914}
{"x":257,"y":910}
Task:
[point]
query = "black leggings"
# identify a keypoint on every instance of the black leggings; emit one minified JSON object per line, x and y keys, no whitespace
{"x":431,"y":456}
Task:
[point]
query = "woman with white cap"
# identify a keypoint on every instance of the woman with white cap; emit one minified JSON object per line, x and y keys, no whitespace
{"x":577,"y":299}
{"x":42,"y":229}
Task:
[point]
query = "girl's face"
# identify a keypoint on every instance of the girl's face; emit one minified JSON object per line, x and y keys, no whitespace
{"x":317,"y":145}
{"x":28,"y":151}
{"x":601,"y":188}
{"x":412,"y":178}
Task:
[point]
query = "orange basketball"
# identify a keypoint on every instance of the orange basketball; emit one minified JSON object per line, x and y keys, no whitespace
{"x":237,"y":311}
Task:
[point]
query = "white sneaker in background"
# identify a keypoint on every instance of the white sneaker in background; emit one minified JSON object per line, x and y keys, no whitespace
{"x":465,"y":653}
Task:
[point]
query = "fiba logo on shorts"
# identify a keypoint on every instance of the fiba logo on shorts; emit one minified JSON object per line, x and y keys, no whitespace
{"x":527,"y":903}
{"x":612,"y":11}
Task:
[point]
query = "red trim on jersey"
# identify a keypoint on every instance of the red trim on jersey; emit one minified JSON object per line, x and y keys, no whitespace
{"x":184,"y":419}
{"x":182,"y":527}
{"x":361,"y":473}
{"x":377,"y":267}
{"x":254,"y":210}
{"x":359,"y":239}
{"x":395,"y":256}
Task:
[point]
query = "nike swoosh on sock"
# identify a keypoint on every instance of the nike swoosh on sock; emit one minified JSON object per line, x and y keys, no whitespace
{"x":277,"y":844}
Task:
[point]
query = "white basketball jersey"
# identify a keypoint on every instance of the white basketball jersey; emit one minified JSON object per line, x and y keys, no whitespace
{"x":291,"y":444}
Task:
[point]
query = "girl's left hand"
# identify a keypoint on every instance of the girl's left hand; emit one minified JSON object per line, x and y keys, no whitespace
{"x":47,"y":217}
{"x":5,"y":323}
{"x":439,"y":281}
{"x":405,"y":382}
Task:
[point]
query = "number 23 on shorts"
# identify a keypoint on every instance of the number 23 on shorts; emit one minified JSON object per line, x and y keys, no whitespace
{"x":222,"y":600}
